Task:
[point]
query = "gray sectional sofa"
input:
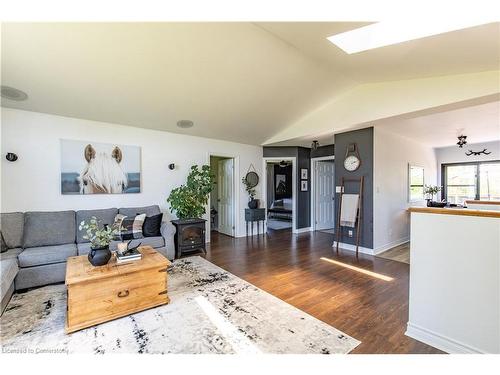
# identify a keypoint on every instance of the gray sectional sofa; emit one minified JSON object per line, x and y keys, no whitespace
{"x":39,"y":243}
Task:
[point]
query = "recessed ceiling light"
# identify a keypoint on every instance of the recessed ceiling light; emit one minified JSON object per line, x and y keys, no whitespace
{"x":386,"y":33}
{"x":13,"y":94}
{"x":184,"y":124}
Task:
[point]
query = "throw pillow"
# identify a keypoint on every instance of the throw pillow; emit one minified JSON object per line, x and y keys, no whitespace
{"x":4,"y":246}
{"x":130,"y":227}
{"x":151,"y":227}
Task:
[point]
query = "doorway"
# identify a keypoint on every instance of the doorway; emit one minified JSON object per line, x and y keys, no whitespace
{"x":323,"y":194}
{"x":222,"y":197}
{"x":279,"y":193}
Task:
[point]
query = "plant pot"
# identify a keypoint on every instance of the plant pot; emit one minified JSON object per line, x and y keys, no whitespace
{"x":99,"y":256}
{"x":429,"y":202}
{"x":253,"y":204}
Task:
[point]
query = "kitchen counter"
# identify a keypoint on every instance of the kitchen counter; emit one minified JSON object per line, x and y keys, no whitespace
{"x":454,"y":302}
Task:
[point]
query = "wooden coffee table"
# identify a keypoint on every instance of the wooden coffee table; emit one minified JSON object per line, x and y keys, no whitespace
{"x":100,"y":294}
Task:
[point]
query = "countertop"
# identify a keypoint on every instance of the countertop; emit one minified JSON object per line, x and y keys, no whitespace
{"x":456,"y":211}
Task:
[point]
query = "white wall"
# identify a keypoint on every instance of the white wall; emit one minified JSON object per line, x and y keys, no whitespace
{"x":33,"y":181}
{"x":392,"y":154}
{"x":455,"y":154}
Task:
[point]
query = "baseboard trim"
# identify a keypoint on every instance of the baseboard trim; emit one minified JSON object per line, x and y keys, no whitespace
{"x":349,"y":247}
{"x":302,"y":230}
{"x":438,"y":341}
{"x":390,"y":245}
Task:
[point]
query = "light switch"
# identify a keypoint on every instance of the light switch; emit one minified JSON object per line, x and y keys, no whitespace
{"x":338,"y":189}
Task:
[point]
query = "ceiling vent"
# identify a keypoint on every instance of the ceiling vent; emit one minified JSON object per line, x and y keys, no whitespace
{"x":13,"y":94}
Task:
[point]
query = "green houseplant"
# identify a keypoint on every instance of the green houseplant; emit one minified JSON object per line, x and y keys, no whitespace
{"x":430,"y":191}
{"x":100,"y":236}
{"x":250,"y":189}
{"x":189,"y":201}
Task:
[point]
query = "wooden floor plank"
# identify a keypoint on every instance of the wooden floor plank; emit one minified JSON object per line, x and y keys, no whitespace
{"x":288,"y":266}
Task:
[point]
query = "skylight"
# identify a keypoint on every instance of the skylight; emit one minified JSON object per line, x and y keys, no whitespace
{"x":386,"y":33}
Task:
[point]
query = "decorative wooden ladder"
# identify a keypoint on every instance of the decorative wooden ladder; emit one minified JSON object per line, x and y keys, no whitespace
{"x":358,"y":213}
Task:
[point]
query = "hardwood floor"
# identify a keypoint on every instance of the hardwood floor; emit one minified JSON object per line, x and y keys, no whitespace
{"x":399,"y":253}
{"x":288,"y":266}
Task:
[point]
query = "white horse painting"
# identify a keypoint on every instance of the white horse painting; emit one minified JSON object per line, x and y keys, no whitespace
{"x":99,"y":168}
{"x":102,"y":174}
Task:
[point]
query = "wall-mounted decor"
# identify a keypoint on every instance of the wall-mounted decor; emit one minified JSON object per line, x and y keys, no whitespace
{"x":99,"y":168}
{"x":462,"y":140}
{"x":11,"y":156}
{"x":303,"y":174}
{"x":352,"y":160}
{"x":303,"y":185}
{"x":477,"y":153}
{"x":280,"y":184}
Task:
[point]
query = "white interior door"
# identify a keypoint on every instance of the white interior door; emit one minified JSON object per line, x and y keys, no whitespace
{"x":226,"y":193}
{"x":325,"y":193}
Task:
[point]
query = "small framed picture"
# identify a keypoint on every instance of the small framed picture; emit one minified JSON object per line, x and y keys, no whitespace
{"x":303,"y":185}
{"x":303,"y":174}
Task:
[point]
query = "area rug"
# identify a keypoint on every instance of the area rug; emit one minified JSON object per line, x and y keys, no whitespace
{"x":211,"y":311}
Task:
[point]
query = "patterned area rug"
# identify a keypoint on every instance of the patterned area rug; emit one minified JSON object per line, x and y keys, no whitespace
{"x":211,"y":311}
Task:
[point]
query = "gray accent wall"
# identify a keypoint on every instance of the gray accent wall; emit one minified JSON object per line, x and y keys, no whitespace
{"x":364,"y":140}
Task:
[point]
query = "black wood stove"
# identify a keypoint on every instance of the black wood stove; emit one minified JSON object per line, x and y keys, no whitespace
{"x":189,"y":236}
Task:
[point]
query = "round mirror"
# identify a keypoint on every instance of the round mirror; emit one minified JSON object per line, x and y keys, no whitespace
{"x":252,"y":179}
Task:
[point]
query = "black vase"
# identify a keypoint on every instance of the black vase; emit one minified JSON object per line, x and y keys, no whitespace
{"x":253,"y":204}
{"x":99,"y":256}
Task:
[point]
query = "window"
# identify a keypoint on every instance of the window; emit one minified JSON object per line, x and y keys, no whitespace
{"x":415,"y":183}
{"x":489,"y":182}
{"x":471,"y":181}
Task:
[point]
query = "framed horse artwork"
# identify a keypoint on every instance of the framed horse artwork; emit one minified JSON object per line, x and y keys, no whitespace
{"x":99,"y":168}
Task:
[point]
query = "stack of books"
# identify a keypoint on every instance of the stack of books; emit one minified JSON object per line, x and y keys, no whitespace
{"x":128,"y":256}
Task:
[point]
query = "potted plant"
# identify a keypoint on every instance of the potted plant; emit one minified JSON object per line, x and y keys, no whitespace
{"x":430,"y":191}
{"x":189,"y":201}
{"x":252,"y":203}
{"x":100,"y":236}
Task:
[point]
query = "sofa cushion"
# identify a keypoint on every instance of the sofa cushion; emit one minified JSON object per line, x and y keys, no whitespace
{"x":11,"y":254}
{"x":107,"y":216}
{"x":12,"y":229}
{"x":3,"y":245}
{"x":49,"y":228}
{"x":37,"y":256}
{"x":154,"y":242}
{"x":8,"y":271}
{"x":132,"y":211}
{"x":42,"y":275}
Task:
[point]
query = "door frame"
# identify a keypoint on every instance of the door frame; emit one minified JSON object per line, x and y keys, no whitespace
{"x":293,"y":159}
{"x":313,"y":187}
{"x":236,"y":193}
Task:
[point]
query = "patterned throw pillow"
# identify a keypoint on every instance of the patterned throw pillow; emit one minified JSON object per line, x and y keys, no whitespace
{"x":130,"y":227}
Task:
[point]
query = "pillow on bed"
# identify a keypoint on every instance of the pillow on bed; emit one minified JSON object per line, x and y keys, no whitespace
{"x":277,"y":203}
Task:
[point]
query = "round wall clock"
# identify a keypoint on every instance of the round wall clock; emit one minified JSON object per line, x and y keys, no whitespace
{"x":352,"y":160}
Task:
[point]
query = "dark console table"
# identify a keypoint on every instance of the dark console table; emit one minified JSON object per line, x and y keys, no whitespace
{"x":255,"y":215}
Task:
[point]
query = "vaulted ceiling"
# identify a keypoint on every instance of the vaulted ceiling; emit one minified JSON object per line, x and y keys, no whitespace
{"x":246,"y":82}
